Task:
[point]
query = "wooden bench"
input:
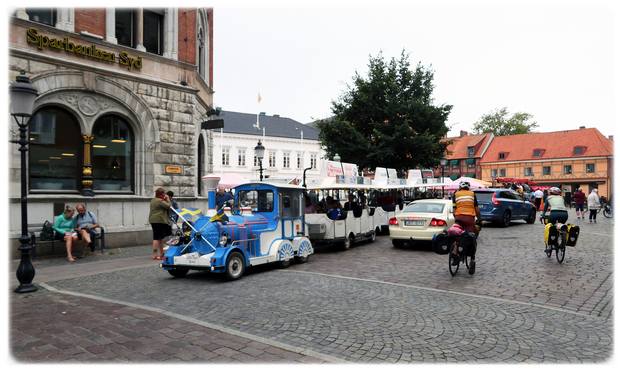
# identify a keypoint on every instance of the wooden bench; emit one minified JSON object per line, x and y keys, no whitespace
{"x":35,"y":230}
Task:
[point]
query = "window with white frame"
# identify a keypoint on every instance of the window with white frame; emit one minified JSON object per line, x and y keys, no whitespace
{"x":272,"y":159}
{"x":225,"y":156}
{"x":286,"y":160}
{"x":46,"y":16}
{"x":313,"y":160}
{"x":300,"y":160}
{"x":241,"y":157}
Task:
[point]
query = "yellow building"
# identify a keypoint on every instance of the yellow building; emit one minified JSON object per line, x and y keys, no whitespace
{"x":566,"y":159}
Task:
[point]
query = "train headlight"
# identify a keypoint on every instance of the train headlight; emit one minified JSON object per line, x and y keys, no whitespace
{"x":223,"y":240}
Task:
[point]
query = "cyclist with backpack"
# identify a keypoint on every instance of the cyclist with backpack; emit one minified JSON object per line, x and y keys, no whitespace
{"x":557,"y":209}
{"x":465,"y":210}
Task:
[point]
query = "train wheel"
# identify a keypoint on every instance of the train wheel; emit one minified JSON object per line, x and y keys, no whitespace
{"x":178,"y":272}
{"x":235,"y":266}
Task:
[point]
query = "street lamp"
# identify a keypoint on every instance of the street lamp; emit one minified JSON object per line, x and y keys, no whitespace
{"x":259,"y":152}
{"x":22,"y":95}
{"x":443,"y":162}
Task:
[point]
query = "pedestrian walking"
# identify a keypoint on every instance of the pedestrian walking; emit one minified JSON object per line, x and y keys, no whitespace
{"x":594,"y":204}
{"x":580,"y":200}
{"x":159,"y":218}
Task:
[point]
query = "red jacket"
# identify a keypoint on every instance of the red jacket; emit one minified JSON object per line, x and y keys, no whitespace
{"x":579,"y":197}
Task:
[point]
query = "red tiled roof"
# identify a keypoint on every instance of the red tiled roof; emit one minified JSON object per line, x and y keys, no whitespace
{"x":556,"y":144}
{"x":458,"y":148}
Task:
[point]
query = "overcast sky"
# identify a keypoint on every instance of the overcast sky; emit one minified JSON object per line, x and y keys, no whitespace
{"x":551,"y":59}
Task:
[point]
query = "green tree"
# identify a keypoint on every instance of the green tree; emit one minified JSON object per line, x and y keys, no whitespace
{"x":387,"y":118}
{"x":499,"y":123}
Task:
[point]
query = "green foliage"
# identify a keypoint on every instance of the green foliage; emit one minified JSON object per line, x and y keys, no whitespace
{"x":387,"y":118}
{"x":499,"y":123}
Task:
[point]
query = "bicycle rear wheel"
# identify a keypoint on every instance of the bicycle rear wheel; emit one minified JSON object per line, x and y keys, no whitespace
{"x":456,"y":260}
{"x":548,"y":250}
{"x":560,"y":252}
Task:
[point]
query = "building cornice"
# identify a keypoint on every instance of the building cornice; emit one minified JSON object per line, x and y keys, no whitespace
{"x":103,"y":71}
{"x":545,"y":160}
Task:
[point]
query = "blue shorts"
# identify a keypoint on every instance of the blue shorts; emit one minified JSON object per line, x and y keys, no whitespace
{"x":579,"y":207}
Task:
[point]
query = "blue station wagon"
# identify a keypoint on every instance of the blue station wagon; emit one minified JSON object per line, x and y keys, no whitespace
{"x":500,"y":205}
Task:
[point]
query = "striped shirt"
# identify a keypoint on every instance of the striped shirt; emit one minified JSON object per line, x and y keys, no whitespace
{"x":465,"y":202}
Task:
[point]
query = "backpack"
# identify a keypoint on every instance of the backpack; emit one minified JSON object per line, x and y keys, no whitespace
{"x":47,"y":232}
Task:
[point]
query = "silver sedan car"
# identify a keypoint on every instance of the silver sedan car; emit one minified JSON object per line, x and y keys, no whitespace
{"x":421,"y":220}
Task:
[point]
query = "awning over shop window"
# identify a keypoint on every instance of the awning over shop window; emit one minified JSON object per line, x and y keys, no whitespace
{"x":454,"y":176}
{"x":471,"y":161}
{"x":454,"y":162}
{"x":470,"y":175}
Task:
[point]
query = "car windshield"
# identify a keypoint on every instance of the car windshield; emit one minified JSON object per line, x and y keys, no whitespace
{"x":424,"y":207}
{"x":484,"y":196}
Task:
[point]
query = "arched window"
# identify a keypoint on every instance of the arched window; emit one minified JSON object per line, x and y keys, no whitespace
{"x":201,"y":158}
{"x":113,"y":155}
{"x":55,"y":151}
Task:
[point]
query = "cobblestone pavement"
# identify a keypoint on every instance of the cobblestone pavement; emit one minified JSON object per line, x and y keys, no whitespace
{"x":51,"y":327}
{"x":375,"y":303}
{"x":510,"y":264}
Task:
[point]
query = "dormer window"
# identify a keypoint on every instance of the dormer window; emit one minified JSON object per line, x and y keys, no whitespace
{"x":503,"y":155}
{"x":471,"y":151}
{"x":579,"y":150}
{"x":538,"y":152}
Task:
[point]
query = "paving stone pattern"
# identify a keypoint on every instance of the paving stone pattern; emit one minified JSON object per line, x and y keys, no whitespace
{"x":364,"y":321}
{"x":510,"y":264}
{"x":50,"y":327}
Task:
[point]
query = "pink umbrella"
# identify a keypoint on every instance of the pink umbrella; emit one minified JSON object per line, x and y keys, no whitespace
{"x":229,"y":180}
{"x":473,"y":183}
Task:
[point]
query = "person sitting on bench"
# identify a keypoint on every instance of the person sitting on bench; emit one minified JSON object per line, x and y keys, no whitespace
{"x":64,"y":228}
{"x":86,"y":222}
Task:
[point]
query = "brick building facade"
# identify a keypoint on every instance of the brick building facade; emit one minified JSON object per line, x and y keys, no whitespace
{"x":122,"y":93}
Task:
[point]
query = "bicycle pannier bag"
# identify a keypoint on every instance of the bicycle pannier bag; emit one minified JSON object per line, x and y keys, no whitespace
{"x":573,"y":235}
{"x":468,"y":243}
{"x":551,"y":235}
{"x":442,"y":243}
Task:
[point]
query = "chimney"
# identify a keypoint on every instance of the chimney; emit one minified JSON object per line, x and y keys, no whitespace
{"x":262,"y":113}
{"x":463,"y":133}
{"x":582,"y":127}
{"x":276,"y":115}
{"x":611,"y":137}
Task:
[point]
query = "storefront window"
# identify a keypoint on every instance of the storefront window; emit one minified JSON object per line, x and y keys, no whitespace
{"x":113,"y":155}
{"x":55,"y":153}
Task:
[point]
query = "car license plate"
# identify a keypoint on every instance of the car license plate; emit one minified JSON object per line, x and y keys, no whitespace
{"x":414,"y":223}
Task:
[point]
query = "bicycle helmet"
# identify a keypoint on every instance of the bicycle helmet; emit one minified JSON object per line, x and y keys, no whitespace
{"x":464,"y":185}
{"x":555,"y":191}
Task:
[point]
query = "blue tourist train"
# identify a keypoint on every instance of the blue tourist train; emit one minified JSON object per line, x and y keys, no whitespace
{"x":265,"y":224}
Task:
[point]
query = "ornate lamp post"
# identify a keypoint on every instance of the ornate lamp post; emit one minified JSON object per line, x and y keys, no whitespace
{"x":259,"y":152}
{"x":443,"y":163}
{"x":22,"y":95}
